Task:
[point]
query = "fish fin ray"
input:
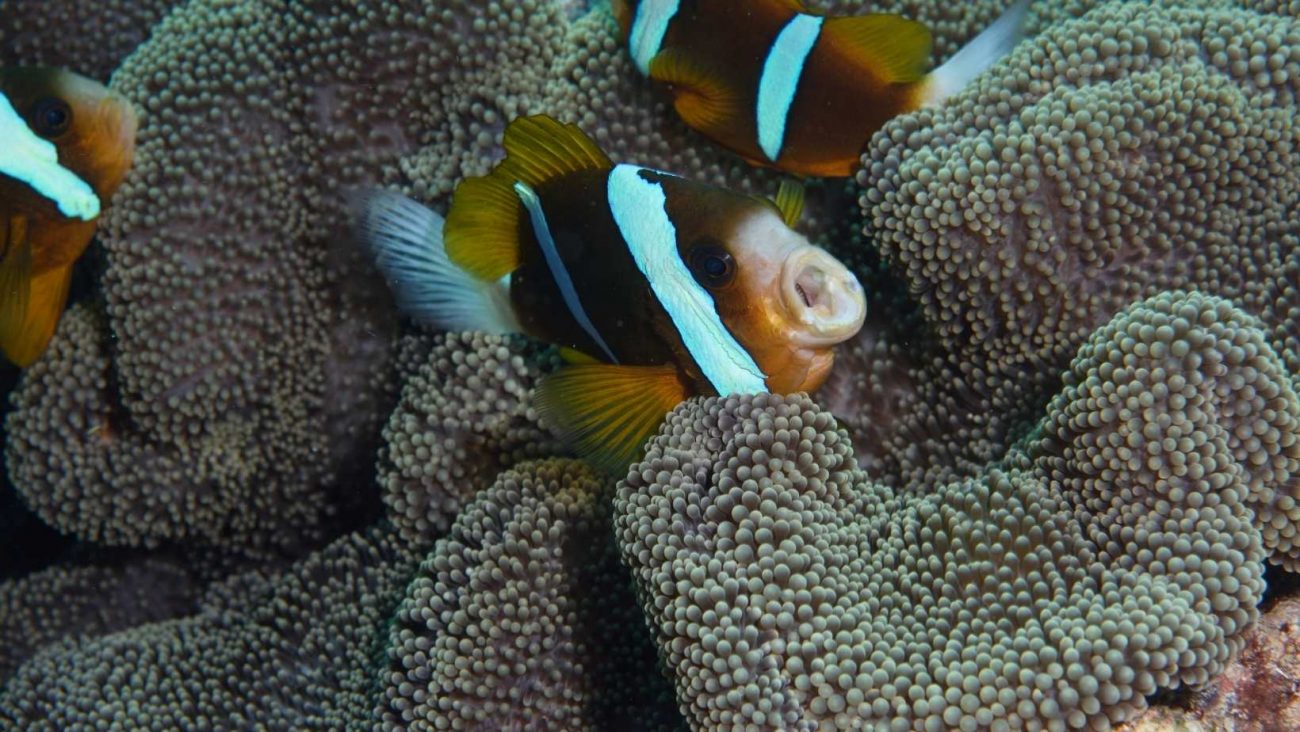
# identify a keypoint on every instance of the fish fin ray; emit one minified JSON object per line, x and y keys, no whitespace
{"x":606,"y":412}
{"x":896,"y":47}
{"x":406,"y":241}
{"x":540,"y":148}
{"x":30,"y":303}
{"x":977,"y":56}
{"x":483,"y":225}
{"x":15,"y":286}
{"x":700,"y":98}
{"x":789,"y":200}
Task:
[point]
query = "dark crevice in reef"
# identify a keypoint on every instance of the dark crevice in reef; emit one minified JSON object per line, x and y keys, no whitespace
{"x":27,"y":543}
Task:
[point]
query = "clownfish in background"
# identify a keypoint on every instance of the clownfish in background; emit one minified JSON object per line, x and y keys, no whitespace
{"x":660,"y":288}
{"x":68,"y":142}
{"x":788,"y":89}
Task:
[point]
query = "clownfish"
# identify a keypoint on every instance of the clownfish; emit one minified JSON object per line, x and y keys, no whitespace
{"x":788,"y":89}
{"x":68,"y":143}
{"x":656,"y":287}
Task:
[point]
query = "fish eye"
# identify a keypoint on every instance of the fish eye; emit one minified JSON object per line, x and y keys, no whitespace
{"x":712,"y":265}
{"x":51,"y":117}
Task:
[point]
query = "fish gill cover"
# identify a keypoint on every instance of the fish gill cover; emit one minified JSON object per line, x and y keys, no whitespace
{"x":1043,"y":483}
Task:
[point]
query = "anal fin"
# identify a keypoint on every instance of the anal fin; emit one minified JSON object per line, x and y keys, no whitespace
{"x":607,"y":412}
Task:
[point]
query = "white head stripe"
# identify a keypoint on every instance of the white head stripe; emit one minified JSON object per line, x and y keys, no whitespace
{"x":780,"y":79}
{"x":648,"y":29}
{"x":35,"y":161}
{"x":559,"y":272}
{"x":638,"y":209}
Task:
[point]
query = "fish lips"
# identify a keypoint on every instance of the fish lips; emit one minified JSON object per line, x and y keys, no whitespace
{"x":822,"y":297}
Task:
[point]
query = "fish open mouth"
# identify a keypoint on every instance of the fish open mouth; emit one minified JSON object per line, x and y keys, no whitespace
{"x":822,"y":296}
{"x":809,"y":284}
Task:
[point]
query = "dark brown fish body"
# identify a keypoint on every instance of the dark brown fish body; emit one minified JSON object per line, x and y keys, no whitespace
{"x":660,"y":288}
{"x":633,"y":326}
{"x":622,"y":308}
{"x":788,"y":88}
{"x":829,"y":119}
{"x":94,"y":133}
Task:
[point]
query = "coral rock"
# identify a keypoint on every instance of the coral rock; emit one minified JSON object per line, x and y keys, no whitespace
{"x":280,"y":650}
{"x":1106,"y":560}
{"x":523,"y":618}
{"x":1136,"y":149}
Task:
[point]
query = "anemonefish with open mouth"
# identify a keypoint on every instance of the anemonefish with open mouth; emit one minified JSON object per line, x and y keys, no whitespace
{"x":665,"y":288}
{"x":67,"y":143}
{"x":789,"y":89}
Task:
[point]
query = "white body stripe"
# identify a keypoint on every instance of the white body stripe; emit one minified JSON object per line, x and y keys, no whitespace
{"x":559,"y":272}
{"x":648,"y":29}
{"x":638,"y":209}
{"x":780,"y":80}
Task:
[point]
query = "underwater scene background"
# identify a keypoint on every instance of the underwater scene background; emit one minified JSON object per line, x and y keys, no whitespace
{"x":1053,"y":482}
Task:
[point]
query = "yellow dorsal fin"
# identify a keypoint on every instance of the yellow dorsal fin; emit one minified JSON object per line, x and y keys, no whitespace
{"x":482,"y":230}
{"x":607,"y":412}
{"x":789,"y":200}
{"x":896,"y":48}
{"x":700,"y":96}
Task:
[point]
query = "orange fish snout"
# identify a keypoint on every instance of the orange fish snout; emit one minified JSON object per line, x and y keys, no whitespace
{"x":822,"y":305}
{"x":822,"y":298}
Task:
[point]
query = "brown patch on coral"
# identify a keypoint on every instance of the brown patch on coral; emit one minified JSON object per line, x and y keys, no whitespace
{"x":1259,"y":692}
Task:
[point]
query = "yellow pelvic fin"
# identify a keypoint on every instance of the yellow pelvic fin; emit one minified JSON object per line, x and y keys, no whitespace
{"x":700,"y":97}
{"x":896,"y":48}
{"x":481,"y":234}
{"x":30,"y":304}
{"x":789,"y":200}
{"x":607,"y":412}
{"x":574,"y":356}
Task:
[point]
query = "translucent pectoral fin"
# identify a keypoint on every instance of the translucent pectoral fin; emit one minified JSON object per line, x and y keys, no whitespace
{"x":406,"y":241}
{"x":605,"y":412}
